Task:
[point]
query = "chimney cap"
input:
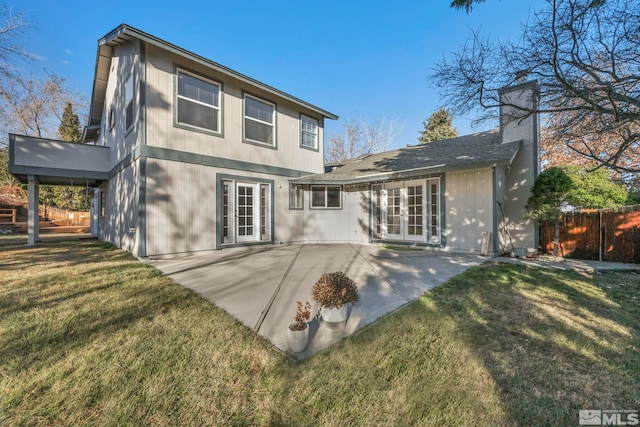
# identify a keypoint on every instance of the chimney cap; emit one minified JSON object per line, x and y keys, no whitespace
{"x":533,"y":84}
{"x":521,"y":75}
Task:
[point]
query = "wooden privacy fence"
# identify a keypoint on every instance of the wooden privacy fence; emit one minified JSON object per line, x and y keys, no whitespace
{"x":65,"y":217}
{"x":605,"y":235}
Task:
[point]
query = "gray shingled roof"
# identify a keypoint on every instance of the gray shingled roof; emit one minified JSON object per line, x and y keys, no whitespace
{"x":469,"y":151}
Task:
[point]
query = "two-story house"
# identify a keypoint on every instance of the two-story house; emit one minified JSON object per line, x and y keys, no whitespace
{"x":187,"y":155}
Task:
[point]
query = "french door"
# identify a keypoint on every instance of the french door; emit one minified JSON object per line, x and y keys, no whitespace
{"x":246,"y":210}
{"x":408,"y":211}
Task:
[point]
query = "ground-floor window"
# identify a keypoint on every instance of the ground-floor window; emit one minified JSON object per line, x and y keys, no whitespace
{"x":103,"y":201}
{"x":325,"y":197}
{"x":246,"y":211}
{"x":296,"y":196}
{"x":407,"y":211}
{"x":377,"y":211}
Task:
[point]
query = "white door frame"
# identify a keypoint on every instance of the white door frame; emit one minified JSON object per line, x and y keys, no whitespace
{"x":242,"y":216}
{"x":393,"y":201}
{"x":400,"y":191}
{"x":247,"y":213}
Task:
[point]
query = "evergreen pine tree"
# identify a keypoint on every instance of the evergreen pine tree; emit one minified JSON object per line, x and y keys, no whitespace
{"x":438,"y":127}
{"x":69,"y":129}
{"x":549,"y":193}
{"x":67,"y":197}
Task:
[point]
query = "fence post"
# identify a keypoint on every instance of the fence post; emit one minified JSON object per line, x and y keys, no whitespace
{"x":600,"y":238}
{"x":13,"y":216}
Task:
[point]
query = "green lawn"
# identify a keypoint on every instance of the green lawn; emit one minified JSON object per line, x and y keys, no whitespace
{"x":89,"y":336}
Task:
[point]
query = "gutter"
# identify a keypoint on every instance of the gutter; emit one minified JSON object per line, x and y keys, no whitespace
{"x":396,"y":175}
{"x":126,"y":30}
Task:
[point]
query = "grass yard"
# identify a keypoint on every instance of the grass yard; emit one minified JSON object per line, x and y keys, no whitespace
{"x":89,"y":336}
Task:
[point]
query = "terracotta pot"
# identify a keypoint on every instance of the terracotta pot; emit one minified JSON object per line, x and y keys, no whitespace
{"x":298,"y":339}
{"x":335,"y":315}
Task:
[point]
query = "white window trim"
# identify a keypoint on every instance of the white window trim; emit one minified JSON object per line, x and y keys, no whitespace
{"x":273,"y":125}
{"x":301,"y":190}
{"x":218,"y":107}
{"x":428,"y":235}
{"x":339,"y":187}
{"x":302,"y":132}
{"x":234,"y":238}
{"x":380,"y":217}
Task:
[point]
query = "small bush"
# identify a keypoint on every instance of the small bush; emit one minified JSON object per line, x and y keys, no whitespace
{"x":333,"y":290}
{"x":303,"y":314}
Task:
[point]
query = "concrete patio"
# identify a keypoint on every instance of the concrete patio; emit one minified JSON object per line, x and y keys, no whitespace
{"x":260,"y":285}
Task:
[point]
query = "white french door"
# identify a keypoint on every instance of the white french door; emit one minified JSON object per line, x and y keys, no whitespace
{"x":395,"y":213}
{"x":408,"y":211}
{"x":246,"y":210}
{"x":247,"y":221}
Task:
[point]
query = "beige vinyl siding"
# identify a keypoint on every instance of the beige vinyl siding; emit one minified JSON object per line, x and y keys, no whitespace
{"x":161,"y":132}
{"x":521,"y":174}
{"x":519,"y":180}
{"x":469,"y":208}
{"x":121,"y":211}
{"x":348,"y":224}
{"x":181,"y":207}
{"x":126,"y":60}
{"x":502,"y":238}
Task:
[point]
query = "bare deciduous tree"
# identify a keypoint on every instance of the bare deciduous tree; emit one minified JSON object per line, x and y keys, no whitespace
{"x":11,"y":33}
{"x":33,"y":106}
{"x":361,"y":137}
{"x":585,"y":55}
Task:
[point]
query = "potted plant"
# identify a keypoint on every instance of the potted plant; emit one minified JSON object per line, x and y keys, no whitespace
{"x":298,"y":331}
{"x":332,"y":292}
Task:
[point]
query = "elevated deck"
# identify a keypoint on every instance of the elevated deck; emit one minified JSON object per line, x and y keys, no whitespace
{"x":75,"y":164}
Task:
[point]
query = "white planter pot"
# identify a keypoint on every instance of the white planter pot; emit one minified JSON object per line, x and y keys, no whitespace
{"x":335,"y":315}
{"x":298,"y":339}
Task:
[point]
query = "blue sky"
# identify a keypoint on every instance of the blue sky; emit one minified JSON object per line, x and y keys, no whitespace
{"x":360,"y":60}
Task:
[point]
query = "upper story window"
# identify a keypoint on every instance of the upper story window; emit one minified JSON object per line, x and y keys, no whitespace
{"x":198,"y":102}
{"x":259,"y":121}
{"x":128,"y":102}
{"x":308,"y":132}
{"x":112,"y":118}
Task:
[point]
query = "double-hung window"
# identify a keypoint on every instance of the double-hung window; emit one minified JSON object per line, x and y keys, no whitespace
{"x":259,"y":121}
{"x":323,"y":197}
{"x":308,"y":132}
{"x":198,"y":102}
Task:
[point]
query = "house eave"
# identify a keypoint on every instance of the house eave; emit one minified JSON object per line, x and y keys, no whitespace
{"x":125,"y":33}
{"x":396,"y":175}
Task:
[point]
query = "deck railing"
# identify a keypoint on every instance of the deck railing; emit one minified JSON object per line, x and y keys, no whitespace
{"x":7,"y":216}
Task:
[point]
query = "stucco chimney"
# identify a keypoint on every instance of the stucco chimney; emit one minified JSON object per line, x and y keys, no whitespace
{"x":519,"y":122}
